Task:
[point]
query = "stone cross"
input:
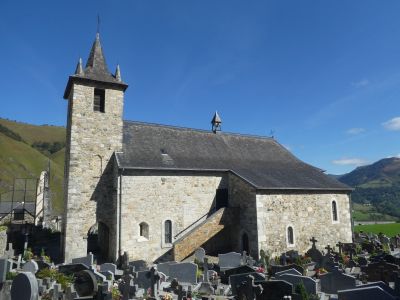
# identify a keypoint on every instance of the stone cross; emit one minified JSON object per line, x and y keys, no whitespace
{"x":340,"y":246}
{"x":127,"y":283}
{"x":180,"y":292}
{"x":154,"y":279}
{"x":205,"y":267}
{"x":329,"y":249}
{"x":313,"y":241}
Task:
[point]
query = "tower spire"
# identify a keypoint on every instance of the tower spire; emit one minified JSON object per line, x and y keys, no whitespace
{"x":79,"y":68}
{"x":118,"y":74}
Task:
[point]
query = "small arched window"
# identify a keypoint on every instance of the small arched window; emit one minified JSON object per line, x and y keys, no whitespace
{"x":334,"y":211}
{"x":290,"y":236}
{"x":144,"y":230}
{"x":168,"y":232}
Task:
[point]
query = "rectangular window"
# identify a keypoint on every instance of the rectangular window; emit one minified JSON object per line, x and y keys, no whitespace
{"x":19,"y":214}
{"x":99,"y":100}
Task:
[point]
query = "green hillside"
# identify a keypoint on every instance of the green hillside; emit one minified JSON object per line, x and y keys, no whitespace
{"x":20,"y":157}
{"x":377,"y":186}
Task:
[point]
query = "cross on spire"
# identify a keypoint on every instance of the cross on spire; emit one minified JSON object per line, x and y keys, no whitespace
{"x":98,"y":24}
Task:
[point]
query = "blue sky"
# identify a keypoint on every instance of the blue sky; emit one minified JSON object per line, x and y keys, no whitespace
{"x":324,"y":76}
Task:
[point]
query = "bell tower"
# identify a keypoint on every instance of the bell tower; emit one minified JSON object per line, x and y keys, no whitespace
{"x":94,"y":132}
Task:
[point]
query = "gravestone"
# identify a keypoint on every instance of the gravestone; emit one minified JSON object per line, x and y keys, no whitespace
{"x":275,"y":289}
{"x":31,"y":266}
{"x":381,"y":271}
{"x":184,"y":272}
{"x":363,"y":293}
{"x":289,"y":271}
{"x":86,"y":260}
{"x":236,"y":280}
{"x":108,"y":267}
{"x":204,"y":288}
{"x":85,"y":283}
{"x":380,"y":284}
{"x":309,"y":283}
{"x":333,"y":281}
{"x":248,"y":290}
{"x":229,"y":260}
{"x":3,"y":269}
{"x":24,"y":287}
{"x":71,"y":269}
{"x":200,"y":254}
{"x":139,"y":265}
{"x":239,"y":270}
{"x":275,"y":269}
{"x":164,"y":267}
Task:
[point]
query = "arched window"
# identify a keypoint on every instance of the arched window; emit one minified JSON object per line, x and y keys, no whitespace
{"x":334,"y":211}
{"x":290,"y":236}
{"x":144,"y":230}
{"x":168,"y":232}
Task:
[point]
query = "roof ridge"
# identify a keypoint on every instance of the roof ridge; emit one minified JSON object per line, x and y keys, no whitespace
{"x":201,"y":130}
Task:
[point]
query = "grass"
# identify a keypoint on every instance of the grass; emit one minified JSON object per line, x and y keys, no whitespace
{"x":34,"y":133}
{"x":19,"y":160}
{"x":369,"y":213}
{"x":389,"y":229}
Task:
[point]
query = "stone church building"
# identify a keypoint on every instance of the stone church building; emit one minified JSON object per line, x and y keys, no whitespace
{"x":159,"y":191}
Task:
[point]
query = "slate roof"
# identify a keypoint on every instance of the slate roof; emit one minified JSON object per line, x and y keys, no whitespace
{"x":261,"y":161}
{"x":96,"y":70}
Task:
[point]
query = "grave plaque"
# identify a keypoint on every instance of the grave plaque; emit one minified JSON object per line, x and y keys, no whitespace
{"x":184,"y":272}
{"x":24,"y":287}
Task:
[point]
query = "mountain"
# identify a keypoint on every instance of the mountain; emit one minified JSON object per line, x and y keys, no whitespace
{"x":26,"y":150}
{"x":377,"y":185}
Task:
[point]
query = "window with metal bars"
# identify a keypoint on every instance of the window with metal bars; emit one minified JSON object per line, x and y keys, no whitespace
{"x":168,"y":232}
{"x":334,"y":211}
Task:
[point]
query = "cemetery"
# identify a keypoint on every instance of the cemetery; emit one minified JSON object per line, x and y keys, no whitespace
{"x":368,"y":268}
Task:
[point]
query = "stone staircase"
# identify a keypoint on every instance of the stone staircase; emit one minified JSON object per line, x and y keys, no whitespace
{"x":197,"y":235}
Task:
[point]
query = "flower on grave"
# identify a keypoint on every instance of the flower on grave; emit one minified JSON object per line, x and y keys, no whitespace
{"x":260,"y":270}
{"x":167,"y":296}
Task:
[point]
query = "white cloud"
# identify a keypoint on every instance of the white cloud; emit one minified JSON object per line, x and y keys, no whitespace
{"x":354,"y":131}
{"x":361,"y":83}
{"x":392,"y":124}
{"x":350,"y":161}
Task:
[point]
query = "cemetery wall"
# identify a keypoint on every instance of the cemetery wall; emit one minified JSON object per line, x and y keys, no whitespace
{"x":243,"y":195}
{"x":153,"y":198}
{"x":92,"y":139}
{"x":310,"y":214}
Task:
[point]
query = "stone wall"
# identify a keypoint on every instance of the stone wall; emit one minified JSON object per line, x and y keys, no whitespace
{"x":154,"y":197}
{"x":92,"y":137}
{"x":243,"y":196}
{"x":309,"y":214}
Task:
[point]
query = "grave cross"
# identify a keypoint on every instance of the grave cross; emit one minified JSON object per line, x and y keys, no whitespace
{"x":205,"y":267}
{"x":329,"y":249}
{"x":313,"y":241}
{"x":340,"y":245}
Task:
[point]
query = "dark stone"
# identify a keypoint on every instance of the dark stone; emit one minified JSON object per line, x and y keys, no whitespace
{"x":239,"y":270}
{"x":25,"y":287}
{"x":85,"y":283}
{"x":275,"y":289}
{"x":381,"y":271}
{"x":236,"y":280}
{"x":336,"y":280}
{"x":71,"y":269}
{"x":275,"y":269}
{"x":247,"y":289}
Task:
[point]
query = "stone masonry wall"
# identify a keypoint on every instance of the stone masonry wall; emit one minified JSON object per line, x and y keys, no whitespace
{"x":310,"y":214}
{"x":92,"y":138}
{"x":243,"y":195}
{"x":153,"y":197}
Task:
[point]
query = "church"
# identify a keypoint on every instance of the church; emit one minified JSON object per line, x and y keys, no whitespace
{"x":159,"y":192}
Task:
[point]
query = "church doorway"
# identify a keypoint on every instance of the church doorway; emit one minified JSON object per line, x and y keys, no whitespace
{"x":103,"y":240}
{"x":245,"y":243}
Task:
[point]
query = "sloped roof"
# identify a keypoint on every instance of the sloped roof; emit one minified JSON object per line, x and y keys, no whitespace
{"x":261,"y":161}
